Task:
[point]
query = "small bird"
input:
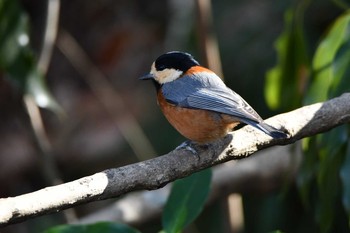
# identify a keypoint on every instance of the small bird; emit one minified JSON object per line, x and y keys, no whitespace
{"x":196,"y":101}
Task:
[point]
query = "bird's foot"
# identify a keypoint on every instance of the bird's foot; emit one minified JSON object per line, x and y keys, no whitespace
{"x":187,"y":145}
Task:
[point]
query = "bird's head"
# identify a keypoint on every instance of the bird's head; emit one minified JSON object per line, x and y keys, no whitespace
{"x":170,"y":66}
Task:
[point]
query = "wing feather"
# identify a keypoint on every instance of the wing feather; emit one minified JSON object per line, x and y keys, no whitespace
{"x":207,"y":91}
{"x":222,"y":101}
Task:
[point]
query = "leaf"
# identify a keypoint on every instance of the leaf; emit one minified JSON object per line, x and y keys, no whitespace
{"x":12,"y":26}
{"x":318,"y":179}
{"x":186,"y":201}
{"x":308,"y":170}
{"x":324,"y":57}
{"x":17,"y":58}
{"x":330,"y":79}
{"x":103,"y":227}
{"x":341,"y":71}
{"x":285,"y":82}
{"x":273,"y":87}
{"x":331,"y":158}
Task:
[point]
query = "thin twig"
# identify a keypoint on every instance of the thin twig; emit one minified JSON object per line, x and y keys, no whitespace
{"x":50,"y":34}
{"x":207,"y":38}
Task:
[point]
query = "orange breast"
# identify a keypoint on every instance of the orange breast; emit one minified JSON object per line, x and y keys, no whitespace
{"x":201,"y":126}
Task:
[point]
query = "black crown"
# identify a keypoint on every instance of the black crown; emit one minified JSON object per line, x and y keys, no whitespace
{"x":175,"y":60}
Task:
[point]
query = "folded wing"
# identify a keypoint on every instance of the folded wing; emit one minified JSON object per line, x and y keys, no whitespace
{"x":212,"y":94}
{"x":223,"y":101}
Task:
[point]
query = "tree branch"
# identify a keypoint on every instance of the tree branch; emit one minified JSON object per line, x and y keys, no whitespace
{"x":156,"y":173}
{"x":267,"y":170}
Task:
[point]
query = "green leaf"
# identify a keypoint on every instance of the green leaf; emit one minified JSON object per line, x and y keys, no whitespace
{"x":308,"y":170}
{"x":345,"y":180}
{"x":341,"y":71}
{"x":331,"y":158}
{"x":324,"y":57}
{"x":285,"y":82}
{"x":186,"y":201}
{"x":17,"y":58}
{"x":102,"y":227}
{"x":12,"y":27}
{"x":319,"y":178}
{"x":273,"y":87}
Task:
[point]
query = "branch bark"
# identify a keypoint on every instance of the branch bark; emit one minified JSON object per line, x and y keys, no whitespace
{"x":155,"y":173}
{"x":264,"y":172}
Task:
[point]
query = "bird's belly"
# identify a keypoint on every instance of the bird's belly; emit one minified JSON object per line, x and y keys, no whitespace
{"x":198,"y":125}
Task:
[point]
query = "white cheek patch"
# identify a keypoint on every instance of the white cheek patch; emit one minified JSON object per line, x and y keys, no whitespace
{"x":167,"y":75}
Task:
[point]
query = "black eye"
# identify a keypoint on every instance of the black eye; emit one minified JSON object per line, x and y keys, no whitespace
{"x":161,"y":67}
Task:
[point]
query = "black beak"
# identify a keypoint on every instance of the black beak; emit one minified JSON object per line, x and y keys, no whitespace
{"x":147,"y":76}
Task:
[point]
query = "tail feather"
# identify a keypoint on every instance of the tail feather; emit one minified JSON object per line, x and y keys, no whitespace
{"x":268,"y":129}
{"x":273,"y":132}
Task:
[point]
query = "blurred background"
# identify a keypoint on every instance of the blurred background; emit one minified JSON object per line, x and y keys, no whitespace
{"x":79,"y":61}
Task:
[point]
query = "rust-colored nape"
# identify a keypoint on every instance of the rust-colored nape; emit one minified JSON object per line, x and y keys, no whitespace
{"x":197,"y":69}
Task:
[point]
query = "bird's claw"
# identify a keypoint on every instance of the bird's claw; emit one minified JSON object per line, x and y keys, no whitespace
{"x":187,"y":146}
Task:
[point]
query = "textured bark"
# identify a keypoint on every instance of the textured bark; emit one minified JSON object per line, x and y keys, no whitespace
{"x":157,"y":172}
{"x":264,"y":172}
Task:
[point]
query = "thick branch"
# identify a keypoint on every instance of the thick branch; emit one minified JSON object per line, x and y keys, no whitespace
{"x":156,"y":173}
{"x":267,"y":170}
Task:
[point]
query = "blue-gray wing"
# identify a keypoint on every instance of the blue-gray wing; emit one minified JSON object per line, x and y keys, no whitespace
{"x":222,"y":100}
{"x":208,"y":92}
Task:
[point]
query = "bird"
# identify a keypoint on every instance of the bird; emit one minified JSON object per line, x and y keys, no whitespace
{"x":196,"y":101}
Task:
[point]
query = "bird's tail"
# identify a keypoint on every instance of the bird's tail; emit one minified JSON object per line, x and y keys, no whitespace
{"x":268,"y":129}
